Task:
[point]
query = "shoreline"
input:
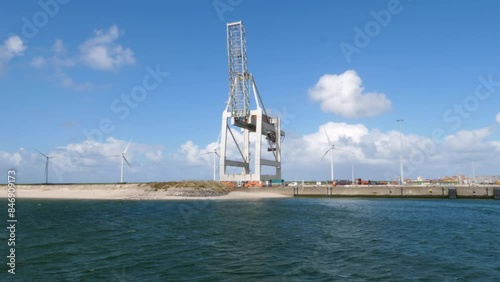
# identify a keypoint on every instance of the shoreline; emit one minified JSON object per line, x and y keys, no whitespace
{"x":125,"y":192}
{"x":153,"y":191}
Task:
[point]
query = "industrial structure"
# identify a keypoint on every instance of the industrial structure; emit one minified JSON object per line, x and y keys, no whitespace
{"x":244,"y":95}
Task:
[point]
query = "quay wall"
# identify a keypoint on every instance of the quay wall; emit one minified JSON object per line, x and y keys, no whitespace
{"x":387,"y":191}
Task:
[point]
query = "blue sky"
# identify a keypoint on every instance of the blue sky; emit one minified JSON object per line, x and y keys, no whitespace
{"x":420,"y":65}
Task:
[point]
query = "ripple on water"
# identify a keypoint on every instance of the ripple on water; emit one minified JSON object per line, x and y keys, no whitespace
{"x":272,"y":240}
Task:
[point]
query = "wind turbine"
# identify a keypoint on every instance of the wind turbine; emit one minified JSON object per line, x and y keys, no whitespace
{"x":123,"y":158}
{"x":46,"y":165}
{"x":216,"y":155}
{"x":332,"y":147}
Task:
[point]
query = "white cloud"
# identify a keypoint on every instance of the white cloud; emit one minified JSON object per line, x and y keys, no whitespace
{"x":88,"y":161}
{"x":38,"y":62}
{"x":154,"y":154}
{"x":190,"y":152}
{"x":91,"y":150}
{"x":302,"y":154}
{"x":59,"y":61}
{"x":13,"y":159}
{"x":469,"y":140}
{"x":344,"y":95}
{"x":498,"y":118}
{"x":101,"y":52}
{"x":82,"y":158}
{"x":311,"y":147}
{"x":373,"y":153}
{"x":11,"y":47}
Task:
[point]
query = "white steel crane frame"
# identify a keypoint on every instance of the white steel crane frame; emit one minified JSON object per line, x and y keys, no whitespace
{"x":251,"y":121}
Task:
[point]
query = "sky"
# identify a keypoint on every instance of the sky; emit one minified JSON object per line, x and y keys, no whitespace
{"x":82,"y":79}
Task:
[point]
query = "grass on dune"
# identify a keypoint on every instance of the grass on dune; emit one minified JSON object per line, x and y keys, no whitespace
{"x":214,"y":185}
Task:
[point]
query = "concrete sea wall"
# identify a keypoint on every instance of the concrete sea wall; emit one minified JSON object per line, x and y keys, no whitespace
{"x":397,"y":191}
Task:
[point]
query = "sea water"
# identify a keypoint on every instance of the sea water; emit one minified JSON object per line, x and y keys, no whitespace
{"x":291,"y":239}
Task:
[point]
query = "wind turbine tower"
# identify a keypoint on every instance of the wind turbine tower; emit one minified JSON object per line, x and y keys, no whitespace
{"x":239,"y":114}
{"x":46,"y":166}
{"x":123,"y":158}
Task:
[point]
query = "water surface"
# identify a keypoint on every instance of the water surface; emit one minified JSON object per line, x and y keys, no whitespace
{"x":291,"y":239}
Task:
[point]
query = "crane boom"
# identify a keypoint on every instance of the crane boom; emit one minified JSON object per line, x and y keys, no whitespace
{"x":239,"y":78}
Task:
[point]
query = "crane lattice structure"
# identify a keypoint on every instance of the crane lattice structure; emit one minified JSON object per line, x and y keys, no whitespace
{"x":238,"y":112}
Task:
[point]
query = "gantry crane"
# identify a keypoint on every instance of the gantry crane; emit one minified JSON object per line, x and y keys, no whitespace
{"x":238,"y":112}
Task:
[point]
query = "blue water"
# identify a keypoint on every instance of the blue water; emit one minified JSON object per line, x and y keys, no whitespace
{"x":293,"y":239}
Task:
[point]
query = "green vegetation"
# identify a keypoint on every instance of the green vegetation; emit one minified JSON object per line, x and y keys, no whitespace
{"x":212,"y":185}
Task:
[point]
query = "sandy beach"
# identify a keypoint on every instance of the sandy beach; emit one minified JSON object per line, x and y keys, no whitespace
{"x":120,"y":192}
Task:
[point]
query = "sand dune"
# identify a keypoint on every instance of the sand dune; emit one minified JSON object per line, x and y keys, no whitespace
{"x":120,"y":192}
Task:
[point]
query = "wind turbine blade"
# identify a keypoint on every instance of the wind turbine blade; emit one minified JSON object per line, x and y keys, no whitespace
{"x":325,"y":153}
{"x":206,"y":153}
{"x":112,"y":156}
{"x":60,"y":153}
{"x":126,"y":148}
{"x":327,"y":137}
{"x":216,"y":154}
{"x":127,"y":161}
{"x":41,"y":153}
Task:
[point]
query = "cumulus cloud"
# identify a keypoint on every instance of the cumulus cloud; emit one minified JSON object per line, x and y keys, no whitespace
{"x":90,"y":156}
{"x":373,"y":153}
{"x":88,"y":161}
{"x":13,"y":159}
{"x":101,"y":52}
{"x":344,"y":95}
{"x":60,"y":59}
{"x":11,"y":47}
{"x":111,"y":147}
{"x":58,"y":63}
{"x":190,"y":152}
{"x":311,"y":147}
{"x":301,"y":154}
{"x":469,"y":140}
